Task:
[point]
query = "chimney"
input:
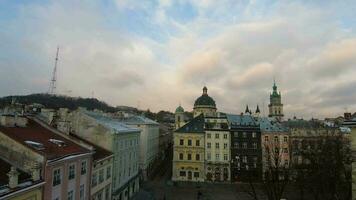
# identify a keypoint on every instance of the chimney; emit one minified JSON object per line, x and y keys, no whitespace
{"x":36,"y":172}
{"x":13,"y":177}
{"x":347,"y":116}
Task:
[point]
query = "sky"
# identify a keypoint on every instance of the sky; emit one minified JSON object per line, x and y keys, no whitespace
{"x":159,"y":54}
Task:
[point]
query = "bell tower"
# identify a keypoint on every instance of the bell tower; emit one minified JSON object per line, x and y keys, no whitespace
{"x":179,"y":117}
{"x":275,"y":106}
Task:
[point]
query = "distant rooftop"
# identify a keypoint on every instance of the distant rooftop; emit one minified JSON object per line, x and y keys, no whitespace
{"x":43,"y":141}
{"x":269,"y":125}
{"x":241,"y":120}
{"x":137,"y":119}
{"x":111,"y":123}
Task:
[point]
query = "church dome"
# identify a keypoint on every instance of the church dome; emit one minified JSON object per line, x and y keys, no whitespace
{"x":179,"y":109}
{"x":204,"y":100}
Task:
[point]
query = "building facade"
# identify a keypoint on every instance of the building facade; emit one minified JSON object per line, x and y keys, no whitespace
{"x":246,"y":152}
{"x":217,"y":149}
{"x":118,"y":138}
{"x":275,"y":106}
{"x":188,"y":151}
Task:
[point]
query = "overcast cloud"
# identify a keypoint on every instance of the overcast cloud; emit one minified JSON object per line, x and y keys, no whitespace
{"x":157,"y":54}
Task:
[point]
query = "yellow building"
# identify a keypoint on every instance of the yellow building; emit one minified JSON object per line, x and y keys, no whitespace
{"x":188,"y":151}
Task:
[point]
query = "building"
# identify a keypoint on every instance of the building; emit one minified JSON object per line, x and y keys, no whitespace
{"x":188,"y":151}
{"x":39,"y":150}
{"x":116,"y":137}
{"x":101,"y":172}
{"x":246,"y":152}
{"x":149,"y":142}
{"x":274,"y":144}
{"x":204,"y":104}
{"x":217,"y":148}
{"x":275,"y":106}
{"x":16,"y":184}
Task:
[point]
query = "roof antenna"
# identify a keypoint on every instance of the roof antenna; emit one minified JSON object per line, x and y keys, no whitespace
{"x":53,"y":84}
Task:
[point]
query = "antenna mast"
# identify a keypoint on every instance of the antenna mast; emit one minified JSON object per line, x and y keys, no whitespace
{"x":52,"y":87}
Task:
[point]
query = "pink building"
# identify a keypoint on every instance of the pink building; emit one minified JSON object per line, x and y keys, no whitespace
{"x":64,"y":163}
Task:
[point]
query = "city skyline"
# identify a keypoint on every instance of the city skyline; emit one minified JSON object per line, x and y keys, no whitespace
{"x":158,"y":54}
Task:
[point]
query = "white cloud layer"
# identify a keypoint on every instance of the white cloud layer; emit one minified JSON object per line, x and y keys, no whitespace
{"x":236,"y":49}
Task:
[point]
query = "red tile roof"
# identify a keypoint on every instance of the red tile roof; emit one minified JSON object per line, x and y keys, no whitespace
{"x":36,"y":133}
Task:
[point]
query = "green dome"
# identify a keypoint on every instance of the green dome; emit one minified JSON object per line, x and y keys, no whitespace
{"x":204,"y":100}
{"x":179,"y":109}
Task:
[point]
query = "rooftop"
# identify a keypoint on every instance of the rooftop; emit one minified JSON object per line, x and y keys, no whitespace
{"x":196,"y":125}
{"x":137,"y":119}
{"x":43,"y":141}
{"x":269,"y":125}
{"x":241,"y":120}
{"x":111,"y":123}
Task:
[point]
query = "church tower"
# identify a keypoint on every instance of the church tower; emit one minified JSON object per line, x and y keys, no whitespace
{"x":275,"y":106}
{"x":179,"y":117}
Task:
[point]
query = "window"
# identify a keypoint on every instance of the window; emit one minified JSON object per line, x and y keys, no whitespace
{"x":208,"y":145}
{"x":244,"y":159}
{"x":181,"y":142}
{"x":71,"y":172}
{"x":276,"y":139}
{"x":244,"y":145}
{"x":225,"y":156}
{"x":217,"y":156}
{"x":244,"y":134}
{"x":56,"y":177}
{"x":276,"y":150}
{"x":180,"y":156}
{"x":196,"y":174}
{"x":266,"y":138}
{"x":253,"y":134}
{"x":70,"y":195}
{"x":236,"y":134}
{"x":182,"y":173}
{"x":189,"y":142}
{"x":255,"y":162}
{"x":94,"y":180}
{"x":99,"y":195}
{"x":225,"y":136}
{"x":217,"y":145}
{"x":254,"y":145}
{"x":236,"y":145}
{"x":285,"y":150}
{"x":225,"y":145}
{"x":189,"y":156}
{"x":108,"y":172}
{"x":197,"y":157}
{"x":83,"y":169}
{"x":286,"y":162}
{"x":285,"y":139}
{"x":197,"y":143}
{"x":107,"y":193}
{"x":216,"y":135}
{"x":208,"y":135}
{"x":208,"y":156}
{"x":101,"y":175}
{"x":81,"y":192}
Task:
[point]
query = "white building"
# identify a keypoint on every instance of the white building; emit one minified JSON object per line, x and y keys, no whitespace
{"x":118,"y":138}
{"x":149,"y":141}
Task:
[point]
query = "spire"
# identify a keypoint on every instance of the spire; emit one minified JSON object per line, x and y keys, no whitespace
{"x":274,"y":85}
{"x":247,"y":110}
{"x":205,"y":90}
{"x":257,"y":109}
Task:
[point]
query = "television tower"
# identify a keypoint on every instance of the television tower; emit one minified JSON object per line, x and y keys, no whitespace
{"x":52,"y":87}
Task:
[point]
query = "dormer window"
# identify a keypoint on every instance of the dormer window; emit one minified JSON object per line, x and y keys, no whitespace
{"x":59,"y":143}
{"x":36,"y":145}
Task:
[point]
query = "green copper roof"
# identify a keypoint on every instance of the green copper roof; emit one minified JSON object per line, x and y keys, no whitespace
{"x":179,"y":109}
{"x":205,"y":100}
{"x":196,"y":125}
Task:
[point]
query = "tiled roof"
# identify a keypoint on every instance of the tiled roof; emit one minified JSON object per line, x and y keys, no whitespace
{"x":196,"y":125}
{"x":100,"y":153}
{"x":111,"y":123}
{"x":39,"y":136}
{"x":300,"y":123}
{"x":241,"y":120}
{"x":269,"y":125}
